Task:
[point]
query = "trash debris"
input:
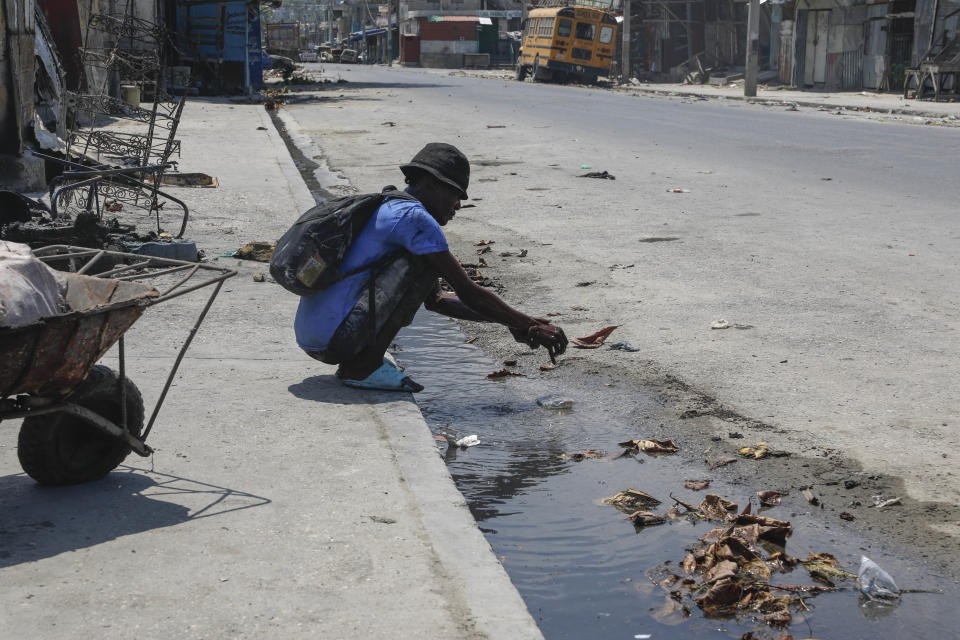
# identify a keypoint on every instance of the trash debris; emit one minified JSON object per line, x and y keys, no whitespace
{"x":874,"y":582}
{"x":879,"y":503}
{"x":189,"y":180}
{"x":809,"y":497}
{"x":591,"y":454}
{"x":470,"y":340}
{"x":388,"y":123}
{"x":503,"y":373}
{"x":586,"y":166}
{"x":258,"y":277}
{"x":715,"y":463}
{"x":482,"y":250}
{"x":678,"y":190}
{"x":522,"y":254}
{"x":555,"y":401}
{"x":720,"y":324}
{"x":467,"y":441}
{"x":585,"y":283}
{"x":631,"y":500}
{"x":549,"y":366}
{"x":594,"y":340}
{"x":496,"y":126}
{"x":600,"y":175}
{"x":649,"y":446}
{"x":850,"y":484}
{"x":769,"y":498}
{"x":696,"y":485}
{"x":846,"y":515}
{"x":623,"y":346}
{"x":259,"y":251}
{"x":483,"y":243}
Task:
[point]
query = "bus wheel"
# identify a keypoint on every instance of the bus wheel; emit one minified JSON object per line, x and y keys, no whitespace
{"x":521,"y":72}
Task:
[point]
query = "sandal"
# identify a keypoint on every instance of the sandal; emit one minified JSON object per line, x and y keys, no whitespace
{"x":386,"y":378}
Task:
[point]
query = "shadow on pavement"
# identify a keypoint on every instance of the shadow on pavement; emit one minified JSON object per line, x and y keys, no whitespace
{"x":327,"y":389}
{"x":41,"y":522}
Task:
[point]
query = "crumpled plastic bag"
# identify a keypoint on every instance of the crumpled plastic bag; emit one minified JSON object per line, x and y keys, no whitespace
{"x":29,"y":289}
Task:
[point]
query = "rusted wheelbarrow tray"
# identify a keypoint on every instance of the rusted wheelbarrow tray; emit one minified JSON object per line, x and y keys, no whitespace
{"x":81,"y":419}
{"x":52,"y":356}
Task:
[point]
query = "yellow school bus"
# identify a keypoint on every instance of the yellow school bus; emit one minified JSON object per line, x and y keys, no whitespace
{"x":567,"y":43}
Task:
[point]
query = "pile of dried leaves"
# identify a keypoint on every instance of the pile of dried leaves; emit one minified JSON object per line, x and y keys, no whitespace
{"x":729,"y":571}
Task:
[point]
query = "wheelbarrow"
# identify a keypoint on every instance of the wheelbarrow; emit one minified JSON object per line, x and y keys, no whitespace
{"x":80,"y":419}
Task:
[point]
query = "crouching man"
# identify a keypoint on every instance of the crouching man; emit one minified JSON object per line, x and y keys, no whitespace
{"x":352,"y":323}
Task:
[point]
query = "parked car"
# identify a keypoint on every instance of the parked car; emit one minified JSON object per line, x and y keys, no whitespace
{"x":348,"y":56}
{"x":308,"y":56}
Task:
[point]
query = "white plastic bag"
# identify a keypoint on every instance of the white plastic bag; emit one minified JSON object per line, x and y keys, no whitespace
{"x":29,"y":289}
{"x":874,"y":582}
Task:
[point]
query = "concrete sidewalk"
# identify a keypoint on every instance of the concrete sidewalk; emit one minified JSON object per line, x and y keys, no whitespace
{"x":279,"y":504}
{"x":869,"y":101}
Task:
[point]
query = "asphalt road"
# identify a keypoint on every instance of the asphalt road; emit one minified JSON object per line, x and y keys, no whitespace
{"x":829,"y":244}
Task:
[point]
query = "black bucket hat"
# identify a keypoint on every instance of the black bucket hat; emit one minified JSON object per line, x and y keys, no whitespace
{"x":444,"y":162}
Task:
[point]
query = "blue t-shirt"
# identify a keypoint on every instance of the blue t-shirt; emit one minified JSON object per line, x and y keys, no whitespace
{"x":397,"y":224}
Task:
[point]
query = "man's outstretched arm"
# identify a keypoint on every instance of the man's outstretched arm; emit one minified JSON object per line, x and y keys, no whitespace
{"x":473,"y":302}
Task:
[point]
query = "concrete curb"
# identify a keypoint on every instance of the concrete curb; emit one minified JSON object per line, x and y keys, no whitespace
{"x":468,"y":561}
{"x":783,"y":101}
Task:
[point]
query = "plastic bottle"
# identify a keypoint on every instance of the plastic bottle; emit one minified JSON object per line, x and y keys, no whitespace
{"x":874,"y":582}
{"x":555,"y":401}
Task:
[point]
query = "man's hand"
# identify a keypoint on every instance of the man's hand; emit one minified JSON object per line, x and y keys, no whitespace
{"x":543,"y":334}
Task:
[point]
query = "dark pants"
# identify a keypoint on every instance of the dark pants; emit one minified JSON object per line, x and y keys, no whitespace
{"x":399,"y":289}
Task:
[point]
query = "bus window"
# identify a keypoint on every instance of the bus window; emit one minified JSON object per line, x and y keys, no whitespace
{"x":606,"y":35}
{"x":545,"y":28}
{"x":585,"y":31}
{"x":564,"y":27}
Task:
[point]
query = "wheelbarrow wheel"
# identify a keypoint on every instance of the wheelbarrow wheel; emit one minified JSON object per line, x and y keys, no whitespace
{"x":60,"y":448}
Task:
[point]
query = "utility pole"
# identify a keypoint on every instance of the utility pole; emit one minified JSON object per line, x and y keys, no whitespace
{"x":625,"y":43}
{"x":389,"y":36}
{"x":753,"y":50}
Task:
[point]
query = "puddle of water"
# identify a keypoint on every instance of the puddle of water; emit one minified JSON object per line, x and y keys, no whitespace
{"x":579,"y":566}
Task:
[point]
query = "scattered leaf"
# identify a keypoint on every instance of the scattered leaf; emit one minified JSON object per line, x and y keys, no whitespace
{"x":757,"y":452}
{"x":483,"y":243}
{"x":769,"y":498}
{"x":713,"y":507}
{"x":594,"y":340}
{"x":696,"y":485}
{"x":722,"y":461}
{"x":631,"y":500}
{"x":847,"y":516}
{"x":809,"y":497}
{"x":650,"y":446}
{"x":645,"y":518}
{"x":584,"y":455}
{"x":549,"y":366}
